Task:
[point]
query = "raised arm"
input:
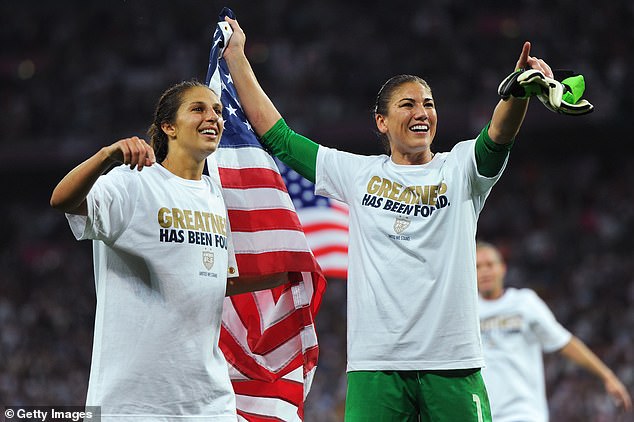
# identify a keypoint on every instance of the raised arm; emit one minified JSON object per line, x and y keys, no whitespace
{"x":509,"y":114}
{"x":70,"y":193}
{"x":579,"y":353}
{"x":296,"y":151}
{"x":257,"y":106}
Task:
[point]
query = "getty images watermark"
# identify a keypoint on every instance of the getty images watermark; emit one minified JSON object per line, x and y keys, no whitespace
{"x":52,"y":413}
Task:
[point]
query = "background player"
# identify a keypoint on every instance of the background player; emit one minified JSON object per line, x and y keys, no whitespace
{"x":517,"y":327}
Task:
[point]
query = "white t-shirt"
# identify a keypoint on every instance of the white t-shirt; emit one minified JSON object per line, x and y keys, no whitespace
{"x":160,"y":258}
{"x":412,"y":291}
{"x":516,"y":329}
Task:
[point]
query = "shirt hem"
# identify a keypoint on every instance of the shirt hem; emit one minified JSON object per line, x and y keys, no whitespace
{"x":414,"y":365}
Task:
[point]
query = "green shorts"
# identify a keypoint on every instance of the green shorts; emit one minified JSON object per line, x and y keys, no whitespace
{"x":452,"y":395}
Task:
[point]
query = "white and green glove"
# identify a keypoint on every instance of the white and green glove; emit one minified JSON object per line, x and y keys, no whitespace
{"x":561,"y":97}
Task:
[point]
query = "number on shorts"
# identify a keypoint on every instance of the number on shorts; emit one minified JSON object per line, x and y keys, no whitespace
{"x":476,"y":399}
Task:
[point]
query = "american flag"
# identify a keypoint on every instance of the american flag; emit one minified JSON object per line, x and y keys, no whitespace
{"x":325,"y":222}
{"x":268,"y":337}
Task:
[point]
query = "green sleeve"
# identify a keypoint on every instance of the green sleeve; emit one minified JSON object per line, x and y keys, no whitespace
{"x":490,"y":156}
{"x":295,"y":150}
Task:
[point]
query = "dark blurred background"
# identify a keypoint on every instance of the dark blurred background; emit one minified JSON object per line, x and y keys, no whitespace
{"x":76,"y":76}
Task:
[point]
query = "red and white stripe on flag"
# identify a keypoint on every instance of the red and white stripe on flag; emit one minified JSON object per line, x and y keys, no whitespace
{"x":268,"y":337}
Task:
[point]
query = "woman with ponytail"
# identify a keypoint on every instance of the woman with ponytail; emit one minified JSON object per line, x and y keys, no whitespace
{"x":161,"y":257}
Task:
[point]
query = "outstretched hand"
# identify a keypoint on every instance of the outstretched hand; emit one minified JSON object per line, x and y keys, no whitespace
{"x":619,"y":393}
{"x":133,"y":151}
{"x":526,"y":60}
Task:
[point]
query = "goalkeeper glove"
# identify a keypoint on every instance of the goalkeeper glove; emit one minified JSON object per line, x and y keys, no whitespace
{"x":561,"y":97}
{"x":523,"y":84}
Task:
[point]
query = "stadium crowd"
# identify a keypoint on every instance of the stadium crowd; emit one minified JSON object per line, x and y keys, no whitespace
{"x":75,"y":75}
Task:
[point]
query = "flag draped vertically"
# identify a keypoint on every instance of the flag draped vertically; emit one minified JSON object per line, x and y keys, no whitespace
{"x":267,"y":337}
{"x":324,"y":220}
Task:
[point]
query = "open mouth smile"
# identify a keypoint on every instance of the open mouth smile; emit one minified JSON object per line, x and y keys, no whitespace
{"x":420,"y":128}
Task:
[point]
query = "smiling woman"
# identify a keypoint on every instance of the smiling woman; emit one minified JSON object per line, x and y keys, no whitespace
{"x":405,"y":107}
{"x":412,"y":295}
{"x":186,"y":128}
{"x":162,"y":264}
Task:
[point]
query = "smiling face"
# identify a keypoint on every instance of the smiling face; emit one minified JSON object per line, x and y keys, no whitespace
{"x":491,"y":272}
{"x":409,"y":123}
{"x":198,"y":126}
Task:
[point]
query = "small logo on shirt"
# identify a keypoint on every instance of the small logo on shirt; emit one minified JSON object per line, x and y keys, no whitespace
{"x":208,"y":259}
{"x":400,"y":224}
